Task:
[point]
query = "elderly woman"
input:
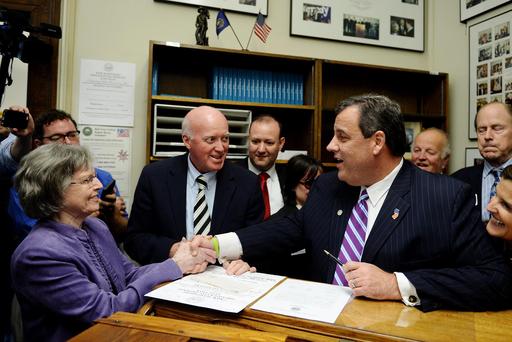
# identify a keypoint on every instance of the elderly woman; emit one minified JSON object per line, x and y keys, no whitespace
{"x":68,"y":271}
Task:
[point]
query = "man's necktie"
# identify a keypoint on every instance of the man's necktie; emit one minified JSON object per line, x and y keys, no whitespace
{"x":496,"y":174}
{"x":354,"y":238}
{"x":201,"y":216}
{"x":263,"y":184}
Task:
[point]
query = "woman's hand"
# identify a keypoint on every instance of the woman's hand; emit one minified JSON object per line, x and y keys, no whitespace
{"x":191,"y":258}
{"x":237,"y":267}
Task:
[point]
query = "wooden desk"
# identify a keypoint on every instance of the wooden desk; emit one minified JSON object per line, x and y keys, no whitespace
{"x":127,"y":327}
{"x":361,"y":320}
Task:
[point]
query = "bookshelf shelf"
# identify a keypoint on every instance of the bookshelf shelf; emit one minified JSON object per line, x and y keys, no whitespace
{"x":300,"y":92}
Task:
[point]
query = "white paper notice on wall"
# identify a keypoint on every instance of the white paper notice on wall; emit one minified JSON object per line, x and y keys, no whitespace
{"x":106,"y":93}
{"x":112,"y":151}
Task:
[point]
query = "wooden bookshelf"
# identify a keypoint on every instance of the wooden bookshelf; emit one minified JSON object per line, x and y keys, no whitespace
{"x":182,"y":75}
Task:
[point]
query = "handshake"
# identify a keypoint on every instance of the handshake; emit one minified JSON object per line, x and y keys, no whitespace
{"x":193,"y":256}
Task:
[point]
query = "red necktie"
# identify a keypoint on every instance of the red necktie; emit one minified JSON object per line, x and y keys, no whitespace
{"x":263,"y":184}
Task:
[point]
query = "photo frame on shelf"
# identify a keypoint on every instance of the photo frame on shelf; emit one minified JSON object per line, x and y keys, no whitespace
{"x":490,"y":65}
{"x":245,"y":6}
{"x":473,"y":157}
{"x":388,"y":23}
{"x":473,"y":8}
{"x":412,"y":129}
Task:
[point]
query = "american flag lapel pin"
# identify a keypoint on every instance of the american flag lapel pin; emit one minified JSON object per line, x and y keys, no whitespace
{"x":396,"y":212}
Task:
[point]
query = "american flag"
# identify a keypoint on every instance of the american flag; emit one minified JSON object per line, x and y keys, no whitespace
{"x":261,"y":29}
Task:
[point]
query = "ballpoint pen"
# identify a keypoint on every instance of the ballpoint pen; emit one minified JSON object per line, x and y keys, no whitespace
{"x":334,"y":258}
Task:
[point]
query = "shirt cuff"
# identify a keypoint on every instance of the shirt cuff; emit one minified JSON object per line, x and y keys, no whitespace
{"x":407,"y":290}
{"x":230,"y":247}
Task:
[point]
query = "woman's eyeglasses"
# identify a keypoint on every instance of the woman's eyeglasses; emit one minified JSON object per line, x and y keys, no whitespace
{"x":308,"y":183}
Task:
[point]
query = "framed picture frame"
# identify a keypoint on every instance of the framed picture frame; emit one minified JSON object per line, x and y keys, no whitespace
{"x":412,"y":129}
{"x":389,"y":23}
{"x":473,"y":8}
{"x":473,"y":157}
{"x":490,"y":65}
{"x":244,"y":6}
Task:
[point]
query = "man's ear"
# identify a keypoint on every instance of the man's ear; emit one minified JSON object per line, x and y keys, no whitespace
{"x":282,"y":140}
{"x":36,"y":143}
{"x":186,"y":141}
{"x":379,"y":139}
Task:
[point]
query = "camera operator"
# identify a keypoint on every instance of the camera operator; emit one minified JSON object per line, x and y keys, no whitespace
{"x":16,"y":145}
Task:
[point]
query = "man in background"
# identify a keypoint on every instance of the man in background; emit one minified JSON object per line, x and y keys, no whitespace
{"x":197,"y":193}
{"x":493,"y":125}
{"x":431,"y":150}
{"x":265,"y":142}
{"x":59,"y":127}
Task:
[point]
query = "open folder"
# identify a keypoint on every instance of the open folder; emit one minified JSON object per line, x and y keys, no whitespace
{"x":214,"y":289}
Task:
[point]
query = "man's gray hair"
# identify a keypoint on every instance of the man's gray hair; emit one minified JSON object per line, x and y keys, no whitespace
{"x":44,"y":175}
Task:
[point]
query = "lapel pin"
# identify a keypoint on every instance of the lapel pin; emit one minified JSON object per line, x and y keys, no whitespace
{"x":396,"y":212}
{"x":339,"y":212}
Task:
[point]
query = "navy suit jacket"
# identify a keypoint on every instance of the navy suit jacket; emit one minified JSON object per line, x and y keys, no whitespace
{"x":473,"y":176}
{"x":436,"y":239}
{"x":157,"y":218}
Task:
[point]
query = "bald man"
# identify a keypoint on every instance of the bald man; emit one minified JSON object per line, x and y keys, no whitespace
{"x":431,"y":150}
{"x":171,"y":199}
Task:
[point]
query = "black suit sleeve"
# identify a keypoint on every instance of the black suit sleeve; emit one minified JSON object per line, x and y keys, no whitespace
{"x":144,"y":242}
{"x":474,"y":256}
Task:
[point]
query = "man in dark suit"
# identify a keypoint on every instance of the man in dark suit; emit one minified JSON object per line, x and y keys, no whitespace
{"x":493,"y":125}
{"x":422,"y":240}
{"x":265,"y":142}
{"x":167,"y":193}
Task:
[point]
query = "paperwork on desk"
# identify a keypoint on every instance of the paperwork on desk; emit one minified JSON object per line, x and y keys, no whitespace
{"x":214,"y":289}
{"x":305,"y":299}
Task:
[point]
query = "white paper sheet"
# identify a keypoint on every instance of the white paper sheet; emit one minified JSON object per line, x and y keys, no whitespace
{"x":214,"y":289}
{"x":305,"y":299}
{"x":106,"y":93}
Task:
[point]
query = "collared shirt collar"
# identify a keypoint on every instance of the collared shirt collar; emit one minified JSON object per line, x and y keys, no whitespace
{"x":488,"y":167}
{"x":193,"y":173}
{"x":378,"y":190}
{"x":271,"y":172}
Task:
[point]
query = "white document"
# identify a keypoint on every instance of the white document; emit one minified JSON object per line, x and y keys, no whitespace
{"x":305,"y":299}
{"x":112,"y":151}
{"x":106,"y":93}
{"x":214,"y":289}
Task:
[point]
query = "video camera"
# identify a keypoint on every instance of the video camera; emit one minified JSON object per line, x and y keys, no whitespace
{"x":14,"y":43}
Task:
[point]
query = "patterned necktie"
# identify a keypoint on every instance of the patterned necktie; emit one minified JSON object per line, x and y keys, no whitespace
{"x":263,"y":184}
{"x":201,"y":216}
{"x":354,"y":238}
{"x":496,"y":174}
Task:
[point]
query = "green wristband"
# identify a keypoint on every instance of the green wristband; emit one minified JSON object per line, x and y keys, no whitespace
{"x":215,"y":244}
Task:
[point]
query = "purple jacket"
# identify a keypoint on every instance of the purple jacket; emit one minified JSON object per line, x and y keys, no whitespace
{"x":65,"y":278}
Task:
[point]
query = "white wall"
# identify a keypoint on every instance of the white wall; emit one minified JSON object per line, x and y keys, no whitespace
{"x":120,"y":30}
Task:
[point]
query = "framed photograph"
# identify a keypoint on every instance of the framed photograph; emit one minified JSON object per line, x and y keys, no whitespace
{"x":473,"y":156}
{"x":472,"y":8}
{"x":246,"y":6}
{"x":390,"y":23}
{"x":412,"y":129}
{"x":490,"y":65}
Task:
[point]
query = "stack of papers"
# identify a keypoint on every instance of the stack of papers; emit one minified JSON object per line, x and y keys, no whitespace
{"x":214,"y":289}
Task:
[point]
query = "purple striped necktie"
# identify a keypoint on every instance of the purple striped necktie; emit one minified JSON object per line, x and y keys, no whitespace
{"x":354,"y":238}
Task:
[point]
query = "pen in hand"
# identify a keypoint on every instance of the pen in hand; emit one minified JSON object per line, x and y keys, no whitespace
{"x":334,"y":258}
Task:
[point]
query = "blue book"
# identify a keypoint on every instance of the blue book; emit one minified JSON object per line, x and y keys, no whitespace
{"x":154,"y":79}
{"x":222,"y":84}
{"x":215,"y":83}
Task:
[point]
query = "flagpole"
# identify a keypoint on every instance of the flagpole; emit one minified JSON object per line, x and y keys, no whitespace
{"x":236,"y":37}
{"x":252,"y":31}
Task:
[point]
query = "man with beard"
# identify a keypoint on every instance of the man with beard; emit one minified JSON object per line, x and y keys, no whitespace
{"x":493,"y":124}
